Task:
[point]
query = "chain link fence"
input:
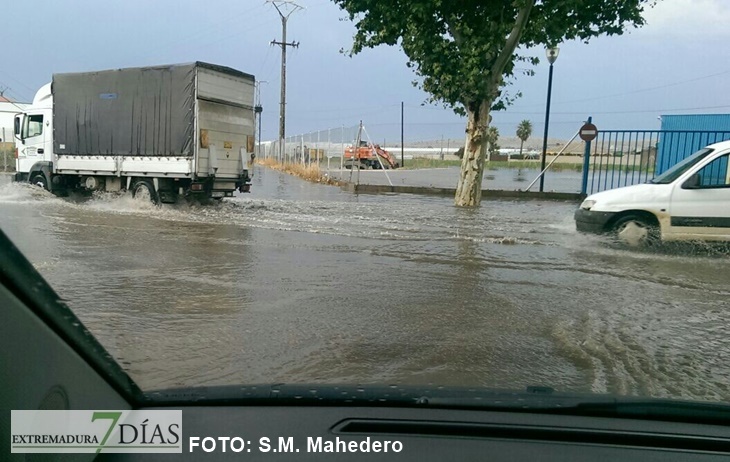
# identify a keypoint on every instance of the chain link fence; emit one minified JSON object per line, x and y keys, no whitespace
{"x":7,"y":157}
{"x":328,"y":146}
{"x":314,"y":147}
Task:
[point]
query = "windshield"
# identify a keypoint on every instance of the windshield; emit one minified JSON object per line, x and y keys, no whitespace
{"x":679,"y":169}
{"x":213,"y":225}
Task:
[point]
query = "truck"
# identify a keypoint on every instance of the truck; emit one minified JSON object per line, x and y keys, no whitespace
{"x":163,"y":133}
{"x":368,"y":155}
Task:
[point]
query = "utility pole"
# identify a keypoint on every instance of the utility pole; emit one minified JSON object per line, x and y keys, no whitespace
{"x":258,"y":109}
{"x":291,"y":7}
{"x":5,"y":152}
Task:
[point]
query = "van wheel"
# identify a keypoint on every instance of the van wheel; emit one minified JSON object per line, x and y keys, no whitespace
{"x":636,"y":231}
{"x":39,"y":179}
{"x":143,"y":190}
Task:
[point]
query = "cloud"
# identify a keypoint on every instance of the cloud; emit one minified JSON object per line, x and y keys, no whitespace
{"x":688,"y":19}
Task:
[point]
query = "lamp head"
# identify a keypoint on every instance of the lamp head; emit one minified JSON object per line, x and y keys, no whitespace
{"x":552,"y":54}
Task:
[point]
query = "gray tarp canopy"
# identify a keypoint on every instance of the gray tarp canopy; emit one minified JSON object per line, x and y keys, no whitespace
{"x":131,"y":112}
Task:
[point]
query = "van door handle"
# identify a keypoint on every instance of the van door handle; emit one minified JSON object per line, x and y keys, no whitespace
{"x":40,"y":151}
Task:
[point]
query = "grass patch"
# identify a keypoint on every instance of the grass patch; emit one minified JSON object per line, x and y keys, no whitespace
{"x":423,"y":163}
{"x":533,"y":165}
{"x":426,"y":162}
{"x":311,"y":173}
{"x":624,"y":168}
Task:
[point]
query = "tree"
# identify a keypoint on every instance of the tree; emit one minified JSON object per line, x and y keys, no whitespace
{"x":524,"y":130}
{"x":492,"y":142}
{"x":464,"y":51}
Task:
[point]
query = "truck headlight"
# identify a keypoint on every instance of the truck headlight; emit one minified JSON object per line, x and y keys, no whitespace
{"x":587,"y":204}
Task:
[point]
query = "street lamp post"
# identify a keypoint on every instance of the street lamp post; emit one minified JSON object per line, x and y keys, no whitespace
{"x":552,"y":56}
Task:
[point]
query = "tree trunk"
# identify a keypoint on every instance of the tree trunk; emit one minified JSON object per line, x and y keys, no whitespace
{"x":521,"y":143}
{"x":469,"y":189}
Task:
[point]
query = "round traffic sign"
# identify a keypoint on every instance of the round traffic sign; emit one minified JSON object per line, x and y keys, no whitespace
{"x":588,"y":132}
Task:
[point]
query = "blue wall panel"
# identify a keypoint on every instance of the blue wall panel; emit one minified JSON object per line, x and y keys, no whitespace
{"x":687,"y":134}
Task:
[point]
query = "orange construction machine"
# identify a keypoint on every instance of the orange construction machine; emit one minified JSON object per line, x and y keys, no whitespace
{"x":369,"y":156}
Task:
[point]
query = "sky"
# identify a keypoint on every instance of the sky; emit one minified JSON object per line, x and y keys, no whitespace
{"x":676,"y":64}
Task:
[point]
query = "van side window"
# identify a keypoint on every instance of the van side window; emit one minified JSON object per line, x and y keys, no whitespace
{"x":715,"y":174}
{"x":33,"y":126}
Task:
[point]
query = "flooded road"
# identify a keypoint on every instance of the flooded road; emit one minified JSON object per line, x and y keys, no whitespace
{"x":299,"y":282}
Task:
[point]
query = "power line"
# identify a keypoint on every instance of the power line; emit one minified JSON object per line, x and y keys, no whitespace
{"x":637,"y":111}
{"x":613,"y":95}
{"x":19,"y":82}
{"x":13,"y":95}
{"x":351,"y":110}
{"x":205,"y":31}
{"x":633,"y":111}
{"x":264,"y":62}
{"x":643,"y":90}
{"x":235,"y":34}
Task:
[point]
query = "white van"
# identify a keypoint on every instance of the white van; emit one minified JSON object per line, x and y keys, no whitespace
{"x":690,"y":201}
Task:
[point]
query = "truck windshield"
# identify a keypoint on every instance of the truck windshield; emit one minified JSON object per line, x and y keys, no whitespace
{"x":677,"y":171}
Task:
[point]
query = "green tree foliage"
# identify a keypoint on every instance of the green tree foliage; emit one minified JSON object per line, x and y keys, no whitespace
{"x":524,"y":130}
{"x":466,"y":51}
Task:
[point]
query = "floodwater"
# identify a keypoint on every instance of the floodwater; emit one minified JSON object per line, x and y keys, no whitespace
{"x":305,"y":283}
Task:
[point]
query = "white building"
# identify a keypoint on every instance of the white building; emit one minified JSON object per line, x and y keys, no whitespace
{"x":8,"y":109}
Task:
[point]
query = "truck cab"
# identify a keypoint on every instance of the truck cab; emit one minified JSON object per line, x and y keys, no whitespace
{"x":34,"y":139}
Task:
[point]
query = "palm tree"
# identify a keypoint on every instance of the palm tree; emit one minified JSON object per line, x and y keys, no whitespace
{"x":524,"y":130}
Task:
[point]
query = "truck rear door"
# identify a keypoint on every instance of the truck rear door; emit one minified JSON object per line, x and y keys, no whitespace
{"x":225,"y":123}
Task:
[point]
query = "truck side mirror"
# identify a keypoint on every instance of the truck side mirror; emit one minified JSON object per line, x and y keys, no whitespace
{"x":692,"y":182}
{"x":17,"y":126}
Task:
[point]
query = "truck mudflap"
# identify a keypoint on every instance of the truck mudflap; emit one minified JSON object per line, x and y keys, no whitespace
{"x":244,"y":183}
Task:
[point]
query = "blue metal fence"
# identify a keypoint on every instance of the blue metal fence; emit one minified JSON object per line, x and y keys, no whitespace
{"x":626,"y":157}
{"x":676,"y":145}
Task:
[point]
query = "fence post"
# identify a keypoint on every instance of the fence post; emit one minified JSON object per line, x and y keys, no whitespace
{"x":586,"y":164}
{"x":5,"y":153}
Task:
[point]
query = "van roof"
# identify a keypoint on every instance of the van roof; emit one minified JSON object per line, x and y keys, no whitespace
{"x":720,"y":145}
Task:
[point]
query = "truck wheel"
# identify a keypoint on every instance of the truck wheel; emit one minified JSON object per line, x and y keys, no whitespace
{"x":39,"y":179}
{"x":143,"y":190}
{"x":636,"y":231}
